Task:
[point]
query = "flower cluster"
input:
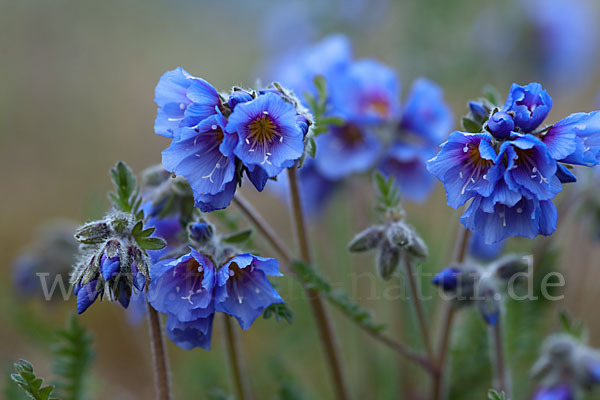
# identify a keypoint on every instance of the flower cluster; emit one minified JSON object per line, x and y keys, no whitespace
{"x":217,"y":137}
{"x":214,"y":278}
{"x":511,"y":167}
{"x":470,"y":283}
{"x":111,"y":260}
{"x":566,"y":368}
{"x":377,"y":130}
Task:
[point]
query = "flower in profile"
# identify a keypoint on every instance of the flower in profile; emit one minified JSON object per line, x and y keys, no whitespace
{"x":558,"y":392}
{"x":511,"y":167}
{"x":242,"y":288}
{"x":482,"y":251}
{"x":268,"y":133}
{"x":183,"y":100}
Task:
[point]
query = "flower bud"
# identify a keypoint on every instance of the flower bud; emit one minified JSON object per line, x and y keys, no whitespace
{"x":509,"y":266}
{"x":93,"y":232}
{"x":200,"y":232}
{"x":387,"y":259}
{"x":489,"y":302}
{"x":237,"y":97}
{"x":416,"y":247}
{"x":398,"y":233}
{"x":478,"y":111}
{"x":366,"y":240}
{"x":447,"y":278}
{"x":501,"y":125}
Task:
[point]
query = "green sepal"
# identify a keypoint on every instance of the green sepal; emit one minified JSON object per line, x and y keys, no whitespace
{"x":280,"y":311}
{"x":151,"y":243}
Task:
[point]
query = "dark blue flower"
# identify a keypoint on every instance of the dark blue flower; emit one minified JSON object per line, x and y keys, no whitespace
{"x":196,"y":154}
{"x":501,"y":125}
{"x":242,"y":288}
{"x":367,"y":92}
{"x":559,"y":392}
{"x":467,"y":166}
{"x":183,"y":100}
{"x":447,"y":278}
{"x":345,"y":150}
{"x":183,"y":287}
{"x":268,"y":133}
{"x":237,"y":97}
{"x":426,"y":113}
{"x":190,"y":334}
{"x":575,"y":139}
{"x":407,"y":164}
{"x":530,"y":105}
{"x":478,"y":111}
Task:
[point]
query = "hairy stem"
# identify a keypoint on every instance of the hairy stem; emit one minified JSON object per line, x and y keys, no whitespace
{"x":460,"y":252}
{"x":236,"y":360}
{"x":328,"y":338}
{"x":416,"y":295}
{"x":500,"y":373}
{"x":286,"y":256}
{"x":159,"y":355}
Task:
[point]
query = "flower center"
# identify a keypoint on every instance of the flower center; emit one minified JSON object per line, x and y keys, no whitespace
{"x":378,"y":106}
{"x":351,"y":135}
{"x":263,"y":129}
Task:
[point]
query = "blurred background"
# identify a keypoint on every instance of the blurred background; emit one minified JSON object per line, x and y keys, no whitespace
{"x":76,"y":95}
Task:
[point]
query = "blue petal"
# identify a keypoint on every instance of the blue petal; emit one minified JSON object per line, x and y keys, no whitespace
{"x":86,"y":295}
{"x":530,"y":105}
{"x":109,"y":267}
{"x":191,"y":334}
{"x":426,"y":113}
{"x":486,"y":252}
{"x":564,"y":175}
{"x":258,"y":177}
{"x":218,"y":201}
{"x":406,"y":163}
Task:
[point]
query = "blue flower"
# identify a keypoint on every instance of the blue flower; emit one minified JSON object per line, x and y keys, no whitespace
{"x":345,"y":150}
{"x":407,"y":164}
{"x":190,"y":334}
{"x":183,"y":287}
{"x":86,"y":295}
{"x":466,"y":165}
{"x":575,"y":139}
{"x":426,"y":113}
{"x":268,"y":133}
{"x":243,"y":290}
{"x":328,"y":58}
{"x":486,"y":252}
{"x":530,"y":105}
{"x":183,"y":100}
{"x":196,"y":154}
{"x":367,"y":92}
{"x":559,"y":392}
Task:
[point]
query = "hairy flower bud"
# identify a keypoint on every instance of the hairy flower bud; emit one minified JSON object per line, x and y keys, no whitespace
{"x":398,"y":233}
{"x":366,"y":240}
{"x":509,"y":266}
{"x":387,"y":259}
{"x":416,"y":246}
{"x":93,"y":232}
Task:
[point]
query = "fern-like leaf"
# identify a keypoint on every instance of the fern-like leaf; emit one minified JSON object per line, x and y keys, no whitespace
{"x":31,"y":384}
{"x":73,"y":357}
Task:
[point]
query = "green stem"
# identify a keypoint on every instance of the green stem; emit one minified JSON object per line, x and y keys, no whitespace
{"x":460,"y":252}
{"x":419,"y":308}
{"x":500,"y":378}
{"x":236,"y":360}
{"x":159,"y":355}
{"x":286,"y":256}
{"x":328,"y":338}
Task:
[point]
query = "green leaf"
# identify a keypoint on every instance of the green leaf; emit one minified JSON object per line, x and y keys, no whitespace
{"x":152,"y":243}
{"x":388,"y":197}
{"x":280,"y":311}
{"x":73,"y":356}
{"x":494,"y":395}
{"x":239,"y":237}
{"x":336,"y":121}
{"x":124,"y":181}
{"x":471,"y":126}
{"x":491,"y":94}
{"x":339,"y":298}
{"x":571,"y":326}
{"x":31,"y":384}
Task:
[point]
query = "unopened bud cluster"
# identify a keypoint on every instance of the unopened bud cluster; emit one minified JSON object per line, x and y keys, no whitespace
{"x":566,"y":366}
{"x":481,"y":285}
{"x":395,"y":242}
{"x":110,"y":261}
